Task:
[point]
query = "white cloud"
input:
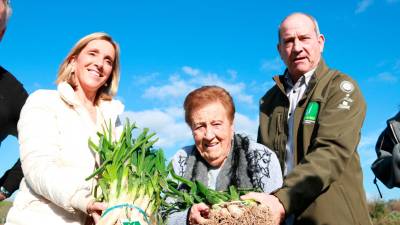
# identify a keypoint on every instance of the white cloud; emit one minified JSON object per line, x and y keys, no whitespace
{"x":233,"y":74}
{"x":244,"y":124}
{"x":237,"y":90}
{"x":261,"y":88}
{"x":366,"y":149}
{"x":145,"y":78}
{"x":387,"y":76}
{"x":396,"y":66}
{"x":272,"y":65}
{"x":37,"y":85}
{"x":363,"y":5}
{"x":176,"y":112}
{"x":178,"y":88}
{"x":168,"y":125}
{"x":393,"y":64}
{"x":190,"y":71}
{"x":390,"y":74}
{"x":382,"y":63}
{"x":372,"y":197}
{"x":247,"y":99}
{"x":367,"y":141}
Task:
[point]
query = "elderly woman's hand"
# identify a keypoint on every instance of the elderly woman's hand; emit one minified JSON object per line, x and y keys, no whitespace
{"x":276,"y":207}
{"x":198,"y":214}
{"x":95,"y":209}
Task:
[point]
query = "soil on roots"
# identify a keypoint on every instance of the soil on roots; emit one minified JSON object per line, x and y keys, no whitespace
{"x":252,"y":215}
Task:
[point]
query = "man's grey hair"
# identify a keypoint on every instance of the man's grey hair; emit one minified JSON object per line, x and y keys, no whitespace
{"x":316,"y":27}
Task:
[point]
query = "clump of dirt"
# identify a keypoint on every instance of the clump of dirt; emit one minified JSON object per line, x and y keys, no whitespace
{"x":240,"y":215}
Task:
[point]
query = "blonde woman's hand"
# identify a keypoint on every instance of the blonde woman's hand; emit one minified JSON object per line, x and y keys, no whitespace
{"x":95,"y":209}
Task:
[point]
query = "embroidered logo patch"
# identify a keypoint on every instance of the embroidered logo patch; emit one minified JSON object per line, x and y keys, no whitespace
{"x":344,"y":105}
{"x":346,"y":86}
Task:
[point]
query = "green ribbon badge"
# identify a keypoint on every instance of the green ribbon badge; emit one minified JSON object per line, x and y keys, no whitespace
{"x":311,"y":113}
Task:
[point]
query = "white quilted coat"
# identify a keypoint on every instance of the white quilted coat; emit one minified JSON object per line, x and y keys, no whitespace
{"x":54,"y":129}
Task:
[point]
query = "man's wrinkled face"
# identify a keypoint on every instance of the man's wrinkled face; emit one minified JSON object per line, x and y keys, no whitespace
{"x":300,"y":47}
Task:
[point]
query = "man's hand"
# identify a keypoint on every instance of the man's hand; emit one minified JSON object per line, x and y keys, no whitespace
{"x":95,"y":209}
{"x":2,"y":197}
{"x":198,"y":214}
{"x":276,"y":207}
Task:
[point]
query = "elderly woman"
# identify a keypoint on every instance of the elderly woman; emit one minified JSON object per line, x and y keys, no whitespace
{"x":54,"y":129}
{"x":220,"y":158}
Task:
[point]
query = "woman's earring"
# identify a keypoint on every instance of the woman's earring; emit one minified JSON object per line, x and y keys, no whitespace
{"x":72,"y":71}
{"x":105,"y":85}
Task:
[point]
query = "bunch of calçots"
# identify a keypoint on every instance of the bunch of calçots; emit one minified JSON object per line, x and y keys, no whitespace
{"x":130,"y":176}
{"x":193,"y":192}
{"x":140,"y":189}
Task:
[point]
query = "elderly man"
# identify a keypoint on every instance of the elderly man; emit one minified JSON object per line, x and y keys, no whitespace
{"x":12,"y":98}
{"x":312,"y":119}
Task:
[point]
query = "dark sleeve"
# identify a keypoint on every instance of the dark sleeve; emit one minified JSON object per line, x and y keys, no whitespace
{"x":259,"y":139}
{"x":396,"y":164}
{"x":385,"y":141}
{"x":387,"y":165}
{"x":12,"y":177}
{"x":20,"y":100}
{"x":18,"y":95}
{"x":13,"y":97}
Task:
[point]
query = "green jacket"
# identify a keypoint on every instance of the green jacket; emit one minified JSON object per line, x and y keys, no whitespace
{"x":326,"y":185}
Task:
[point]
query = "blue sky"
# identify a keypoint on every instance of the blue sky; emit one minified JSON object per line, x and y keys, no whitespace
{"x":171,"y":47}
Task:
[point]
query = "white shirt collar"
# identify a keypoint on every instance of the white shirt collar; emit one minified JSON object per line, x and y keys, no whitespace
{"x":305,"y":79}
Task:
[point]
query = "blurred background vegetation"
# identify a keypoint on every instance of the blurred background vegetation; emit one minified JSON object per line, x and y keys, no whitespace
{"x":4,"y":207}
{"x":385,"y":213}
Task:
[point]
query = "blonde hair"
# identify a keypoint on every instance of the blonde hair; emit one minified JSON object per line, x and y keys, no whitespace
{"x":66,"y":73}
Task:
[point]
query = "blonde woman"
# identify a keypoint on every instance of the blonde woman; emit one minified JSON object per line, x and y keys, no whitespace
{"x":54,"y":129}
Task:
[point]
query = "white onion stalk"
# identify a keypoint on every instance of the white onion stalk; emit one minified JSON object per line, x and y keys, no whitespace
{"x":131,"y":174}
